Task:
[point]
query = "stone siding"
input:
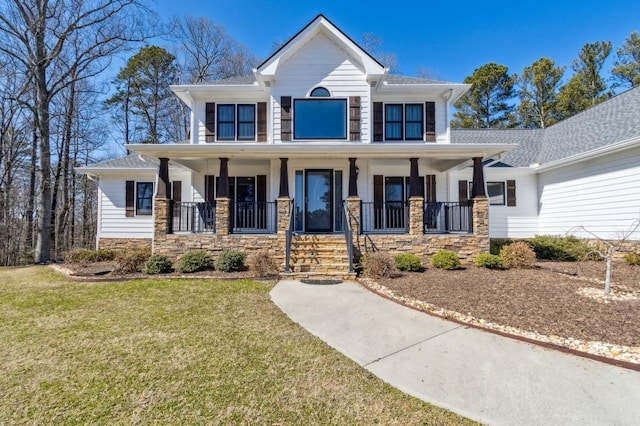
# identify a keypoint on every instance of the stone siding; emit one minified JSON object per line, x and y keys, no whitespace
{"x":175,"y":245}
{"x":124,"y":243}
{"x":467,"y":246}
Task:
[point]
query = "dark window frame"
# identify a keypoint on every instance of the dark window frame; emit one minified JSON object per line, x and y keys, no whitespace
{"x":345,"y":123}
{"x":139,"y":199}
{"x":239,"y":122}
{"x":236,"y":122}
{"x":320,"y":92}
{"x":503,"y":185}
{"x":407,"y":122}
{"x":395,"y":122}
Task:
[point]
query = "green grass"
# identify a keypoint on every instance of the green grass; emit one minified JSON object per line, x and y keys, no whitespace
{"x":176,"y":352}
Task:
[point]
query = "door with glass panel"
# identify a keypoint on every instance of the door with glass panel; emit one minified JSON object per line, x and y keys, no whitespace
{"x":318,"y":201}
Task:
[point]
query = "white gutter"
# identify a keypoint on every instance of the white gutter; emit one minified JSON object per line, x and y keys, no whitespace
{"x":609,"y":149}
{"x":321,"y":150}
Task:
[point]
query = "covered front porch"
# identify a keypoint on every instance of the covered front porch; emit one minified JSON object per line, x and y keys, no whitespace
{"x":383,"y":199}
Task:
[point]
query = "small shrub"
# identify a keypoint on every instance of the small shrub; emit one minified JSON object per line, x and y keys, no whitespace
{"x":489,"y":261}
{"x":131,"y":260}
{"x":632,"y":259}
{"x":263,"y":264}
{"x":496,"y":244}
{"x":230,"y":260}
{"x":377,"y":265}
{"x":552,"y":247}
{"x":195,"y":261}
{"x":157,"y":264}
{"x":445,"y":259}
{"x":408,"y":262}
{"x":84,"y":256}
{"x":518,"y":255}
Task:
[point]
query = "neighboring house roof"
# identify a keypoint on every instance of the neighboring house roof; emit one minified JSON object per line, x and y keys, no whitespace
{"x":609,"y":123}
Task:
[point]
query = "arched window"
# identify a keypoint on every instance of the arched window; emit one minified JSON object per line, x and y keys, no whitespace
{"x":320,"y":92}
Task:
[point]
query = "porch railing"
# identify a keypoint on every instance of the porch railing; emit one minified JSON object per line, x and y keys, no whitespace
{"x":254,"y":217}
{"x":193,"y":217}
{"x":387,"y":217}
{"x":442,"y":217}
{"x":348,"y":235}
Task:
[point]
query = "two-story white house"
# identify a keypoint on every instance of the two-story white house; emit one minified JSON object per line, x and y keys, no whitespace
{"x":316,"y":157}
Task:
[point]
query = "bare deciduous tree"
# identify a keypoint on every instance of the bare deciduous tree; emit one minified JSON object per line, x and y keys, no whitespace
{"x":55,"y":42}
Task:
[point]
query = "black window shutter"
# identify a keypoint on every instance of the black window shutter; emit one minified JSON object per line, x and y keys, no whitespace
{"x":511,"y":193}
{"x":130,"y":199}
{"x":354,"y":118}
{"x":209,"y":185}
{"x":285,"y":118}
{"x":430,"y":132}
{"x":431,"y":188}
{"x":210,"y":122}
{"x":378,"y":125}
{"x":463,"y":191}
{"x":176,"y":191}
{"x":262,"y":121}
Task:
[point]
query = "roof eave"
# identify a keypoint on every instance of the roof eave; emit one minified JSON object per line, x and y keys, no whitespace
{"x":594,"y":153}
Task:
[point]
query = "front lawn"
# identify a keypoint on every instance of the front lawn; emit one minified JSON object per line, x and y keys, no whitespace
{"x":176,"y":352}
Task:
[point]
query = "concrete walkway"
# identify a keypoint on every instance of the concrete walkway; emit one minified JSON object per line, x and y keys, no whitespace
{"x":480,"y":375}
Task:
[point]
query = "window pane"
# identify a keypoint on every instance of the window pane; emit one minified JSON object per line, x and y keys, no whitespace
{"x":226,"y":122}
{"x":226,"y":113}
{"x":299,"y":200}
{"x":393,"y":122}
{"x":144,"y":197}
{"x":413,"y":122}
{"x":394,"y":187}
{"x":495,"y":192}
{"x":337,"y":196}
{"x":320,"y":92}
{"x":226,"y":131}
{"x":246,"y":131}
{"x":320,"y":119}
{"x":414,"y":131}
{"x":246,"y":113}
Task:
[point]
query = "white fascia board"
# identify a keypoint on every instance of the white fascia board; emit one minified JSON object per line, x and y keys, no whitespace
{"x":457,"y":89}
{"x":188,"y":92}
{"x":321,"y":24}
{"x":598,"y":152}
{"x":255,"y":150}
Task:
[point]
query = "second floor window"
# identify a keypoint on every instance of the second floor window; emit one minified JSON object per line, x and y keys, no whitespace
{"x":393,"y":122}
{"x":236,"y":122}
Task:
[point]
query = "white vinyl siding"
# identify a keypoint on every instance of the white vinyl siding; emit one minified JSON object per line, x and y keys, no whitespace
{"x":602,"y":195}
{"x":113,"y":222}
{"x":321,"y":62}
{"x":519,"y":221}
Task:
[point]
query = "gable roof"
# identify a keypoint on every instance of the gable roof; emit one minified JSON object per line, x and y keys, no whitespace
{"x":320,"y":24}
{"x":615,"y":121}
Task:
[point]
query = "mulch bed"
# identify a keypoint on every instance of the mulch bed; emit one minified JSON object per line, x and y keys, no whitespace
{"x":104,"y":271}
{"x":542,"y":300}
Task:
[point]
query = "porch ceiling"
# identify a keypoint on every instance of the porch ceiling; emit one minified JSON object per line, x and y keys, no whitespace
{"x":443,"y":156}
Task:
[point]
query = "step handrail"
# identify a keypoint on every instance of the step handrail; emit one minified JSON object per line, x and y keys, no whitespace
{"x":287,"y":237}
{"x":348,"y":234}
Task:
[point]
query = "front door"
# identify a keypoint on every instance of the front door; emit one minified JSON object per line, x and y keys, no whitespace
{"x":318,"y":204}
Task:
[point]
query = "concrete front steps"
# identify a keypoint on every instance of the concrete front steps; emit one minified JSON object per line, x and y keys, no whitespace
{"x":318,"y":256}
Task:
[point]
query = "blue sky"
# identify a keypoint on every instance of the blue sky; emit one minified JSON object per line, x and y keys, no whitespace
{"x":449,"y":38}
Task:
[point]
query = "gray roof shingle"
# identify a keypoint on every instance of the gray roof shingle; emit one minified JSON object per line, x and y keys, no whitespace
{"x":131,"y":161}
{"x":232,"y":81}
{"x":528,"y":141}
{"x":401,"y":79}
{"x":613,"y":121}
